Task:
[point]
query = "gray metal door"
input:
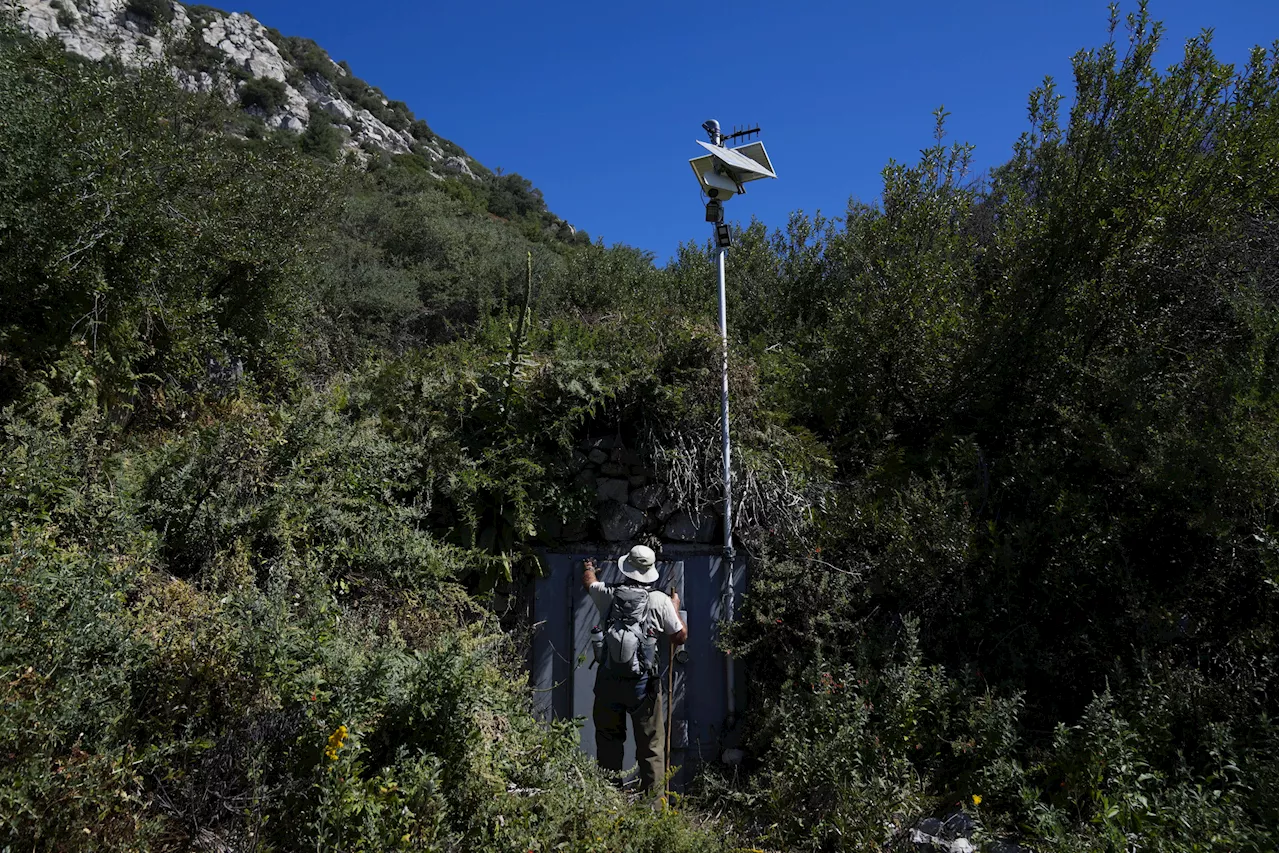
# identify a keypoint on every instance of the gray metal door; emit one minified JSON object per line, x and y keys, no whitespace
{"x":564,"y":680}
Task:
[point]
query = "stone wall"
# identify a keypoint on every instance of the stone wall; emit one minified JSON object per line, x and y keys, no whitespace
{"x":630,"y":501}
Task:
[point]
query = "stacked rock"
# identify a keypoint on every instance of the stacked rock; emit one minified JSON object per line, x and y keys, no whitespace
{"x":629,"y":500}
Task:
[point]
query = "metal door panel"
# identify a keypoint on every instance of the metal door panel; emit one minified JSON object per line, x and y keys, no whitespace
{"x":564,"y":681}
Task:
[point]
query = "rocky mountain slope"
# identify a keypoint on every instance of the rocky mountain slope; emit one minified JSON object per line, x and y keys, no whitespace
{"x":287,"y":83}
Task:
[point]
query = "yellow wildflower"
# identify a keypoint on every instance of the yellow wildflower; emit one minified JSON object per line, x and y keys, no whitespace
{"x":977,"y":799}
{"x":336,"y":741}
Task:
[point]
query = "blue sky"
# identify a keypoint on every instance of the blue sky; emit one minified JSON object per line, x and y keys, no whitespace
{"x":599,"y":103}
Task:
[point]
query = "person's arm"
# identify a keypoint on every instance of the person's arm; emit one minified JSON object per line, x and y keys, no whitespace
{"x":681,"y":636}
{"x":588,"y":573}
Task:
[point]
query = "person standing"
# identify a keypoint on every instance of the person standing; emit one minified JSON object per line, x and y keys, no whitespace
{"x":633,"y":615}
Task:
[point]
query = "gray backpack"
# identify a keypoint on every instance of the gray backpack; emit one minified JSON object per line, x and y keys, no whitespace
{"x":629,"y":651}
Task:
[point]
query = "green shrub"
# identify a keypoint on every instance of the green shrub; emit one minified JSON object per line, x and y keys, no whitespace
{"x":512,"y":196}
{"x":154,"y":11}
{"x":263,"y":93}
{"x":309,"y":58}
{"x":321,"y":138}
{"x":315,"y":681}
{"x":89,"y":231}
{"x":257,"y":453}
{"x":1034,"y":425}
{"x":421,"y":131}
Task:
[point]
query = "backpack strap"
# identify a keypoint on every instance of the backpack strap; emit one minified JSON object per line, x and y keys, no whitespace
{"x":609,"y":588}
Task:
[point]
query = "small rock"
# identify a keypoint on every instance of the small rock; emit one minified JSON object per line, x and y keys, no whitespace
{"x":668,"y":509}
{"x":648,"y":497}
{"x":620,"y":522}
{"x":337,"y":107}
{"x":933,"y":834}
{"x":627,"y":457}
{"x":601,"y":442}
{"x":612,"y":490}
{"x":458,"y":166}
{"x":707,"y":524}
{"x":680,"y":528}
{"x":922,"y":840}
{"x":579,"y":460}
{"x":598,"y":456}
{"x":586,"y":478}
{"x":930,"y":826}
{"x":732,"y":757}
{"x":957,"y":824}
{"x":636,"y":482}
{"x":613,"y":469}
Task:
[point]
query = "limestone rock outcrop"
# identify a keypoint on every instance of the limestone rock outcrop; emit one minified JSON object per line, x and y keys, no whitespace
{"x":96,"y":29}
{"x":246,"y":45}
{"x":124,"y":29}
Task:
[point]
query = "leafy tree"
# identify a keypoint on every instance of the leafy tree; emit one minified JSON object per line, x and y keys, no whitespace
{"x":1054,"y":398}
{"x":322,"y":138}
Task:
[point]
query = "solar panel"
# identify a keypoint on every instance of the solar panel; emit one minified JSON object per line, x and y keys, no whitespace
{"x":755,"y":151}
{"x":745,"y":167}
{"x":726,"y":169}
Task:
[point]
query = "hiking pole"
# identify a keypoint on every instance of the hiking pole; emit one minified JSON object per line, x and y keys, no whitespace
{"x":671,"y":699}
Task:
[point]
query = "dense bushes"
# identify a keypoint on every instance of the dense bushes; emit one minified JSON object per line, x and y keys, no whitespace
{"x":138,"y":234}
{"x":1005,"y":455}
{"x":263,"y":93}
{"x":307,"y":56}
{"x":240,"y":633}
{"x":153,"y":11}
{"x":225,"y":615}
{"x":1054,"y":399}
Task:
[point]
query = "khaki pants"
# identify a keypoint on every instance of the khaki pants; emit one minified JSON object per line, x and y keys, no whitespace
{"x":615,"y":700}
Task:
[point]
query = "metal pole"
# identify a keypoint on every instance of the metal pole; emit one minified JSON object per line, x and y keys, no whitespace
{"x":724,"y":411}
{"x":726,"y":615}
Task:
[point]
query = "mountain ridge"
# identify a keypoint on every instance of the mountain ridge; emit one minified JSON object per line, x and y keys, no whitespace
{"x":287,"y":83}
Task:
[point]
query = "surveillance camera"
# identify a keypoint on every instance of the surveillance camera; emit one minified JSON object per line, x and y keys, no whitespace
{"x":713,"y":192}
{"x":715,"y":211}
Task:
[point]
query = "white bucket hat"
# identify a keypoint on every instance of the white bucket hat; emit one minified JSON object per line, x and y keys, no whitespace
{"x":640,"y":565}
